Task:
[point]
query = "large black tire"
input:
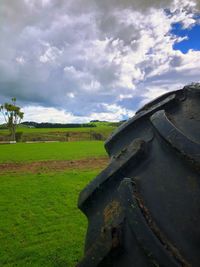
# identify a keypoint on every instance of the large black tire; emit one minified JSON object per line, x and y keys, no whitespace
{"x":144,"y":208}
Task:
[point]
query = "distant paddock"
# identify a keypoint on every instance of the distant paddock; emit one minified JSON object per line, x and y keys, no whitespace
{"x":62,"y":135}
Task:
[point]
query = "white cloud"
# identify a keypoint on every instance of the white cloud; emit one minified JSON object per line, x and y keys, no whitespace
{"x":125,"y":96}
{"x":20,"y":60}
{"x":184,"y":11}
{"x":112,"y":112}
{"x":51,"y":54}
{"x":53,"y":115}
{"x":151,"y":93}
{"x":71,"y":95}
{"x":89,"y":59}
{"x":44,"y":114}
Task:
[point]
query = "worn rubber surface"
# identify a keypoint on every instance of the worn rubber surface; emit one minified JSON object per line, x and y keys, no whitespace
{"x":144,"y":208}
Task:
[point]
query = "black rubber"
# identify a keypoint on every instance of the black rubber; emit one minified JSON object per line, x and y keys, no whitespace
{"x":144,"y":208}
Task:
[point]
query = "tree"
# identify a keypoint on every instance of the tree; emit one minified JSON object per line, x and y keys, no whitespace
{"x":12,"y":116}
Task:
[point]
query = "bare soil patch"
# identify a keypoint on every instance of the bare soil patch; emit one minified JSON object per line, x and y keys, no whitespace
{"x":54,"y":165}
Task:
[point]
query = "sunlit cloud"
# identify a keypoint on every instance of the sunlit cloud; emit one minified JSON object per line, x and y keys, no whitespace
{"x":74,"y":61}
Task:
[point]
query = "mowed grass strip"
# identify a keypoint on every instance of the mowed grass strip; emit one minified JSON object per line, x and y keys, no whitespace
{"x":22,"y":152}
{"x":40,"y":224}
{"x":105,"y":129}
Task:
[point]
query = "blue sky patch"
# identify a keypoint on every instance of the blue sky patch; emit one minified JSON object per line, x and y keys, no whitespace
{"x":193,"y":34}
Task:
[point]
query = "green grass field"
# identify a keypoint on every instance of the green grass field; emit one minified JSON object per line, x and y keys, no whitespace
{"x":101,"y":132}
{"x":101,"y":128}
{"x":40,"y":224}
{"x":22,"y":152}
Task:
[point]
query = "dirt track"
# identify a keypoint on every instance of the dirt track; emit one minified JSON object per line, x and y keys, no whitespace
{"x":55,"y":165}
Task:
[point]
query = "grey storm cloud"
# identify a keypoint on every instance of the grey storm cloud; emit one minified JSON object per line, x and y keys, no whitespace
{"x":85,"y":56}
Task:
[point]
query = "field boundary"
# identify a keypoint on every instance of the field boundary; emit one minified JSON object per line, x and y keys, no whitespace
{"x":7,"y":142}
{"x":53,"y":165}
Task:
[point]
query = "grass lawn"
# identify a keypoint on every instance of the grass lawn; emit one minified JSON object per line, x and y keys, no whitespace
{"x":47,"y":130}
{"x":100,"y":132}
{"x":40,"y":224}
{"x":22,"y":152}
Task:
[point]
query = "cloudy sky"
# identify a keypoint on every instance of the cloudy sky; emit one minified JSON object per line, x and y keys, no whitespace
{"x":78,"y":60}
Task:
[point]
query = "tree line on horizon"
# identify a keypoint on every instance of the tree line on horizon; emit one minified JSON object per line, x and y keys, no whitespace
{"x":56,"y":125}
{"x":13,"y":115}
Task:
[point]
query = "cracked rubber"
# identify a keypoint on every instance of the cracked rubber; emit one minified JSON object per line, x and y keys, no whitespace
{"x":144,"y":208}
